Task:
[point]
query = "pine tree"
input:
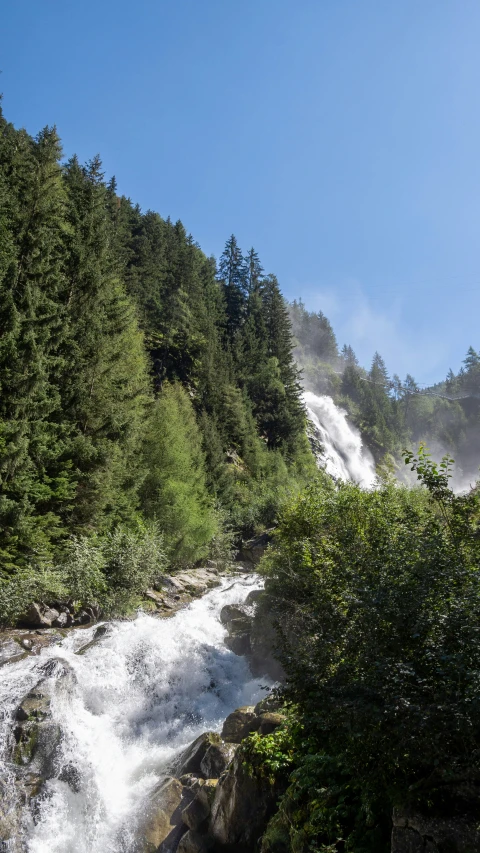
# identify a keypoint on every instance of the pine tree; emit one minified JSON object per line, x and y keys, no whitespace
{"x":34,"y":479}
{"x":104,"y":386}
{"x":231,"y":273}
{"x":253,"y":272}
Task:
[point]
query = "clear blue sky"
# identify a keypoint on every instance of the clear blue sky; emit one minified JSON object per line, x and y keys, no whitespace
{"x":340,"y":137}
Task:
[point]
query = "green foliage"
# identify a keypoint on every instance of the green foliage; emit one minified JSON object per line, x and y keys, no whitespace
{"x":137,"y":381}
{"x":377,"y":597}
{"x":174,"y":490}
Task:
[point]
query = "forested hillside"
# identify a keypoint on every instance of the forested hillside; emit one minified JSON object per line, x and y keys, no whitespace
{"x":149,"y":400}
{"x":392,"y":413}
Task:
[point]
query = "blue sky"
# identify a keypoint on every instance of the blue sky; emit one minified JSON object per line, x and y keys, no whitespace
{"x":340,"y":137}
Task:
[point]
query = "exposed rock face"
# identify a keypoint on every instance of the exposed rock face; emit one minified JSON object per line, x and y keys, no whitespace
{"x":162,"y":826}
{"x":190,"y":760}
{"x":241,"y":809}
{"x":216,"y":759}
{"x":414,"y":833}
{"x":236,"y":726}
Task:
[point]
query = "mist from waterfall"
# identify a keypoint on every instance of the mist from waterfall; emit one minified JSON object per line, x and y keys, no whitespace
{"x":344,"y":456}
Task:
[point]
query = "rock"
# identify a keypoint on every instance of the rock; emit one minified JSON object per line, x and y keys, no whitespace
{"x":240,"y":626}
{"x":71,"y":775}
{"x":269,"y":722}
{"x":414,"y":833}
{"x":58,"y":668}
{"x":64,"y":620}
{"x":270,"y":703}
{"x":191,"y":758}
{"x":36,"y":617}
{"x":193,"y":842}
{"x":241,"y":809}
{"x":216,"y":760}
{"x":253,"y":597}
{"x":36,"y":736}
{"x":82,"y":618}
{"x":100,"y":631}
{"x":263,"y":641}
{"x":196,"y":813}
{"x":232,"y":611}
{"x":254,"y":549}
{"x":239,"y":644}
{"x":237,"y":724}
{"x":162,"y":826}
{"x":10,"y":651}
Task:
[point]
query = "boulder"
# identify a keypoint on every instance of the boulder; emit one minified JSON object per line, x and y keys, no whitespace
{"x":237,"y":724}
{"x":39,"y":617}
{"x":233,"y":611}
{"x":269,"y":722}
{"x":191,"y":759}
{"x":272,"y":702}
{"x":216,"y":759}
{"x":241,"y":809}
{"x":162,"y":827}
{"x":253,"y":597}
{"x":63,"y":620}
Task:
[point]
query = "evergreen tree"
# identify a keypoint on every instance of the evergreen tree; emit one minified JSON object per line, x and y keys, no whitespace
{"x":174,"y":492}
{"x":231,"y":272}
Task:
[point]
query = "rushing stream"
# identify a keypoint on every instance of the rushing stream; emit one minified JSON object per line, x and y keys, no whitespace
{"x":146,"y":690}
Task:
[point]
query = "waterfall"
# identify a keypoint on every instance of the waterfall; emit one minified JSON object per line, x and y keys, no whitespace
{"x":343,"y":455}
{"x":130,"y":703}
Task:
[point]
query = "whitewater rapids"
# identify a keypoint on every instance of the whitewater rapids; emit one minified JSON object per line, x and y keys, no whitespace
{"x":138,"y":697}
{"x":344,"y":457}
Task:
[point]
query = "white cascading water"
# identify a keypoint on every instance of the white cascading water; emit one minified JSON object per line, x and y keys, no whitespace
{"x":344,"y":456}
{"x":136,"y":698}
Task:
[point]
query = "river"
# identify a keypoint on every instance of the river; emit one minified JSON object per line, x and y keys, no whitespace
{"x":129,"y":704}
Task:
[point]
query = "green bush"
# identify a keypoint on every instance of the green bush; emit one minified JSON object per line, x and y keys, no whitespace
{"x":377,"y":596}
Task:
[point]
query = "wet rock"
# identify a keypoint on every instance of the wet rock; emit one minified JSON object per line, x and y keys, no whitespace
{"x":193,"y":842}
{"x":216,"y":760}
{"x":233,"y":611}
{"x":191,"y":759}
{"x":11,"y":651}
{"x":36,"y":736}
{"x":57,"y":668}
{"x":241,"y":809}
{"x":162,"y":826}
{"x":253,"y":597}
{"x":71,"y":775}
{"x":236,"y":726}
{"x":239,"y":644}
